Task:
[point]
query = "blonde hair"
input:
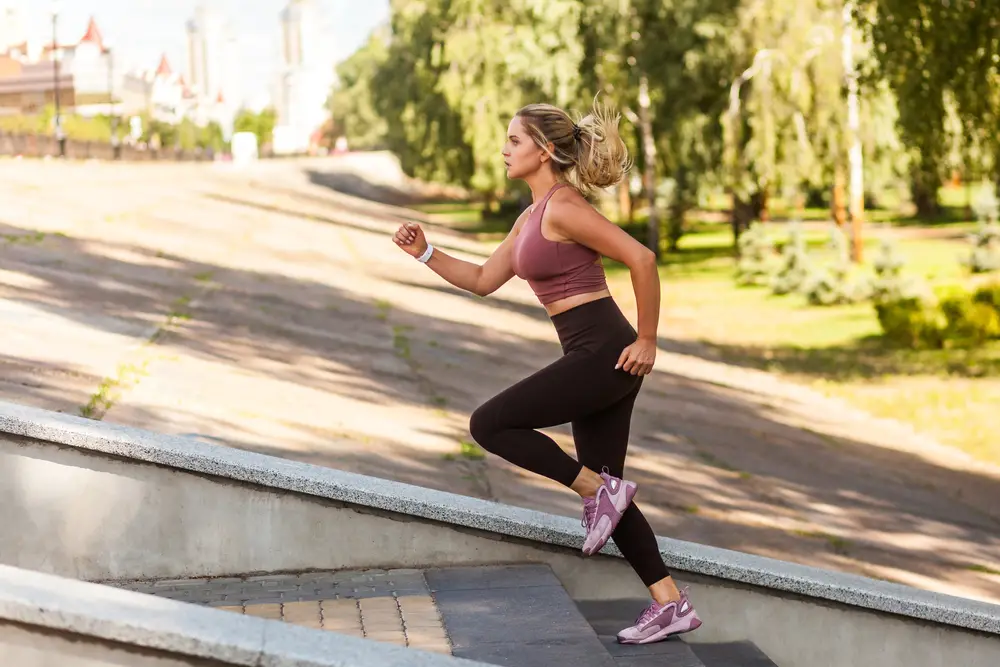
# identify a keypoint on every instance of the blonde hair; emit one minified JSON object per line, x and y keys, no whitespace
{"x":589,"y":153}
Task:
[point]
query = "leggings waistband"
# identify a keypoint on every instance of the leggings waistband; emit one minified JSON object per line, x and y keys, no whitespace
{"x":592,"y":325}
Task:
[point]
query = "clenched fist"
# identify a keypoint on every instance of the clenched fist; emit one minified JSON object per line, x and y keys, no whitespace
{"x":410,"y":237}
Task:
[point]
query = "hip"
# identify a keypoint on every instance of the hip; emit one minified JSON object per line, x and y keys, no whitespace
{"x":593,"y":326}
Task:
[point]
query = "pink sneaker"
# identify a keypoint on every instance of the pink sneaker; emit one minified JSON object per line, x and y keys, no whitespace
{"x":602,"y":513}
{"x":657,"y":622}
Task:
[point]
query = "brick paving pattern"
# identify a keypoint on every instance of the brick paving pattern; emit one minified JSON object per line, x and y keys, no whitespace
{"x":392,"y":606}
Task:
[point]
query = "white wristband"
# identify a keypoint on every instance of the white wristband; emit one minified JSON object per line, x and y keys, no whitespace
{"x":427,"y":254}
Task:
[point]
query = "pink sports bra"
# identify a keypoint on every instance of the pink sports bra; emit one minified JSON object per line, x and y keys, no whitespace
{"x":554,"y":269}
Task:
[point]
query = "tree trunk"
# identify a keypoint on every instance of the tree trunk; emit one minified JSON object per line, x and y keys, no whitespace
{"x":837,"y":202}
{"x":924,"y":194}
{"x":624,"y":202}
{"x":969,"y":213}
{"x":649,"y":161}
{"x":742,"y":215}
{"x":854,"y":150}
{"x":678,"y":207}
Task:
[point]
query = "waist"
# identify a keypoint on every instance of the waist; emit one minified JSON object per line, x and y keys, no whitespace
{"x":592,"y":325}
{"x":580,"y":280}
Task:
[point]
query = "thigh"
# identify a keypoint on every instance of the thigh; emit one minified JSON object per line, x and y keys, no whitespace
{"x":601,"y":438}
{"x":572,"y":387}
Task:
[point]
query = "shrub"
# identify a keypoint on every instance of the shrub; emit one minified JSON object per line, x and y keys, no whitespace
{"x":968,"y":323}
{"x":794,"y":266}
{"x":888,"y":284}
{"x":911,"y":322}
{"x":989,"y":294}
{"x":839,"y":283}
{"x":756,"y":262}
{"x":955,"y":317}
{"x":985,"y":253}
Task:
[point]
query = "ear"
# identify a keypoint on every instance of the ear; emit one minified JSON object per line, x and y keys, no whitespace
{"x":546,"y":155}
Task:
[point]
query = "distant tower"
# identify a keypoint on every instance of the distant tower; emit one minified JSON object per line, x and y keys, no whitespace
{"x":210,"y":61}
{"x":13,"y":36}
{"x":195,"y":56}
{"x":305,"y":75}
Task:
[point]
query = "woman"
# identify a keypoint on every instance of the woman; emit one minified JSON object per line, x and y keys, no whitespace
{"x":556,"y":245}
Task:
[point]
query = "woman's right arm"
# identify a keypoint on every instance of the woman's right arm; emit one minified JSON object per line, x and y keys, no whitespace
{"x":479,"y":279}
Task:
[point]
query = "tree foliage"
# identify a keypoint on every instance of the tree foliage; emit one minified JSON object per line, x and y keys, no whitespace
{"x":352,"y":104}
{"x":931,"y":52}
{"x":438,"y":84}
{"x":259,"y":123}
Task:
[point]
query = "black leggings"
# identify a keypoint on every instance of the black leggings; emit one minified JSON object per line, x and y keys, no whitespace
{"x":584,"y":388}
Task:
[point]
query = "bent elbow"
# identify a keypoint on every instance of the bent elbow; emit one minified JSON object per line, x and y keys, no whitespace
{"x":645,"y":258}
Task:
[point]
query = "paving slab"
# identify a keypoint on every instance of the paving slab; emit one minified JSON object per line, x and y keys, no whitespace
{"x":514,"y":616}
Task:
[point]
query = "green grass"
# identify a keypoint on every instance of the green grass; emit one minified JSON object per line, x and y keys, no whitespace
{"x":471,"y":451}
{"x":837,"y":544}
{"x":950,"y":394}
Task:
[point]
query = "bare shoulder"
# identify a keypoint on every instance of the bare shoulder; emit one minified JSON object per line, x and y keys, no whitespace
{"x":568,"y":208}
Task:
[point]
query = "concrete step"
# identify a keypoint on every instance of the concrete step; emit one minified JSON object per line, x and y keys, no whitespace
{"x":607,"y":617}
{"x":514,"y":615}
{"x":732,"y":654}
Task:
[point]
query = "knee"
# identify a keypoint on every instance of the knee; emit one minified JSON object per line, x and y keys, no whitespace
{"x":482,"y":426}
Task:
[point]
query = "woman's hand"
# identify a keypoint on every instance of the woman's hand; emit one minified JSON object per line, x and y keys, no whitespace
{"x":638,"y":358}
{"x":410,"y":237}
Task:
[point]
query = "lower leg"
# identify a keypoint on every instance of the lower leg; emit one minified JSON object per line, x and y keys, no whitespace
{"x":587,"y":483}
{"x":637,"y":542}
{"x":664,"y":590}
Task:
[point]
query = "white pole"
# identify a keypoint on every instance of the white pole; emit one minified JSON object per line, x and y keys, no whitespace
{"x":854,"y":155}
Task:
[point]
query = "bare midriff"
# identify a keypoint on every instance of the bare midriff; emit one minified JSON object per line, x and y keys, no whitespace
{"x":562,"y":305}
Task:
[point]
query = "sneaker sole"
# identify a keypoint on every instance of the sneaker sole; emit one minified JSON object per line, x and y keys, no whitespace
{"x":664,"y":634}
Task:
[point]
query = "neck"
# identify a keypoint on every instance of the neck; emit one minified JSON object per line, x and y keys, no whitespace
{"x":540,"y":183}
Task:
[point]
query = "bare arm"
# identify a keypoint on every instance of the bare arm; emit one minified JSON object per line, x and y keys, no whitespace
{"x":479,"y":279}
{"x":578,"y":221}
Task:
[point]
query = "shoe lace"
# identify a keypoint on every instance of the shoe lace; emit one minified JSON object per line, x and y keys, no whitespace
{"x":649,"y":612}
{"x":589,"y":513}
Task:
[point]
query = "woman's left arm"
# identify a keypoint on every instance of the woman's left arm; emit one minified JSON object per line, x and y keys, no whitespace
{"x":578,"y":221}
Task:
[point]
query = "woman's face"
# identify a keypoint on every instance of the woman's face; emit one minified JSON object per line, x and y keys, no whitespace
{"x":521,"y":155}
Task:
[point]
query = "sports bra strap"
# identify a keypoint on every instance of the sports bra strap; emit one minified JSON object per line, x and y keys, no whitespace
{"x":545,"y":200}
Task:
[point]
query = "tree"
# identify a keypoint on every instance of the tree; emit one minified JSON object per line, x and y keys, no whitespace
{"x":928,"y":50}
{"x":421,"y":127}
{"x":662,"y":63}
{"x":352,"y":105}
{"x":458,"y":70}
{"x":787,"y":81}
{"x":259,"y":123}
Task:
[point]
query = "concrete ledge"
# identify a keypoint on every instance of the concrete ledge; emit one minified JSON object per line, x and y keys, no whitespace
{"x":85,"y":610}
{"x":195,"y":456}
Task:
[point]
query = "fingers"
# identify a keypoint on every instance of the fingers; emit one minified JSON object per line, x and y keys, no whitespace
{"x":406,"y":234}
{"x":629,"y":362}
{"x":622,"y":358}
